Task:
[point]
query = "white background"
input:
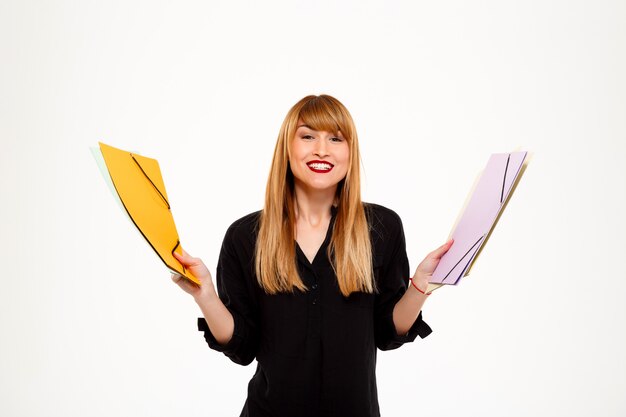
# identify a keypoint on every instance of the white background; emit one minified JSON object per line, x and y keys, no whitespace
{"x":90,"y":323}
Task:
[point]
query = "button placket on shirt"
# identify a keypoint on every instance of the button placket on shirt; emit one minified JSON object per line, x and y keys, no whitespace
{"x":311,"y":275}
{"x":316,"y":313}
{"x":316,"y":273}
{"x":315,"y":291}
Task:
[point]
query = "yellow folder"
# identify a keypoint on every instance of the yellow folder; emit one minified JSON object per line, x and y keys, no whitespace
{"x":138,"y":182}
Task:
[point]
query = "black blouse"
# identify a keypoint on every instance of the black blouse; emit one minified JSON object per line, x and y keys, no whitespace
{"x":316,"y":350}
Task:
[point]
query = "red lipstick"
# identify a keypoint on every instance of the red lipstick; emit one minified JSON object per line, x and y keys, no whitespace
{"x":311,"y":166}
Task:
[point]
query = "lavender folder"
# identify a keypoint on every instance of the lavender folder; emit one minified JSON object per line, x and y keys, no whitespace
{"x":480,"y":215}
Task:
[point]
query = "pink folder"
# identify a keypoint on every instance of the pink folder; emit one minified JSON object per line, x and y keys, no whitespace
{"x":480,"y":215}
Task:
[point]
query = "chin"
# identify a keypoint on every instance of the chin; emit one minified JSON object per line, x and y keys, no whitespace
{"x":318,"y":186}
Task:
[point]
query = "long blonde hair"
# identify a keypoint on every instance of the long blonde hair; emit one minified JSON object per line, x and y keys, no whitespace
{"x":350,"y":249}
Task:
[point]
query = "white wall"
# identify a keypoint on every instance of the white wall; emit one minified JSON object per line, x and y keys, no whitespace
{"x":90,"y":322}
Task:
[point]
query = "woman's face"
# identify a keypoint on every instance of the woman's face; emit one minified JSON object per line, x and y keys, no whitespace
{"x":319,"y":160}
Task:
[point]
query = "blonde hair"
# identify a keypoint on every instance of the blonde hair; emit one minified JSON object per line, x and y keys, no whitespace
{"x":350,"y":249}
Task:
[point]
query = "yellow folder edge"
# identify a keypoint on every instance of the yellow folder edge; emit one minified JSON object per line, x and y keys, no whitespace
{"x":140,"y":190}
{"x":529,"y":156}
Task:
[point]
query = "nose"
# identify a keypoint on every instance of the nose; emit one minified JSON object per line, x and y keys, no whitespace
{"x":321,"y":150}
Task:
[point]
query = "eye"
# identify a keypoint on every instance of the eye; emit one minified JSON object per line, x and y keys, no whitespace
{"x":336,"y":139}
{"x":307,"y":137}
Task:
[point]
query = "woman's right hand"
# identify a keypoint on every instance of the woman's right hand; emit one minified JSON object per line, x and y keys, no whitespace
{"x":195,"y":265}
{"x":217,"y":316}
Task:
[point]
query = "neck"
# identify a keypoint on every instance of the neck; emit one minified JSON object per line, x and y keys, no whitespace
{"x":313,"y":207}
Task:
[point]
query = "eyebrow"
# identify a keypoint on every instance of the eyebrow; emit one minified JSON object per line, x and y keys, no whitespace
{"x":307,"y":126}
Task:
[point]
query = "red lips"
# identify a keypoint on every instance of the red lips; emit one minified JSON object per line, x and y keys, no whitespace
{"x":320,"y":171}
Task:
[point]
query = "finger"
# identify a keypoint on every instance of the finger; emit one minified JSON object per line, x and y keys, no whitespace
{"x":182,"y":255}
{"x":182,"y":259}
{"x":178,"y":257}
{"x":441,"y":250}
{"x":185,"y":258}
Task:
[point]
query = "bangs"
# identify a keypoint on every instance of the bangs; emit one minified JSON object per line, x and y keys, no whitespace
{"x":323,"y":114}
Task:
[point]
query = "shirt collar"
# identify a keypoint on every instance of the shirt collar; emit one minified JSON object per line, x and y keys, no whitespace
{"x":321,"y":252}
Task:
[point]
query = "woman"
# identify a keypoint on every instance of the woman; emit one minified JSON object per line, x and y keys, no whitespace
{"x":311,"y":285}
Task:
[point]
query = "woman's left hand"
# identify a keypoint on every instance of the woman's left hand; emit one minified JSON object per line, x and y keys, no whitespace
{"x":425,"y":269}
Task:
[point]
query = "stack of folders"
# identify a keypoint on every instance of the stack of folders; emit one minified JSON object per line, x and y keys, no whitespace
{"x":480,"y":215}
{"x":137,"y":184}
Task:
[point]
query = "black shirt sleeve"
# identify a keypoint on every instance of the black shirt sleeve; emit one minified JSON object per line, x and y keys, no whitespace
{"x":392,"y":270}
{"x":237,"y":293}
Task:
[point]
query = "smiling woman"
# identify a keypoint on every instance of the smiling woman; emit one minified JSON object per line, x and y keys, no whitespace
{"x":317,"y":130}
{"x":314,"y":283}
